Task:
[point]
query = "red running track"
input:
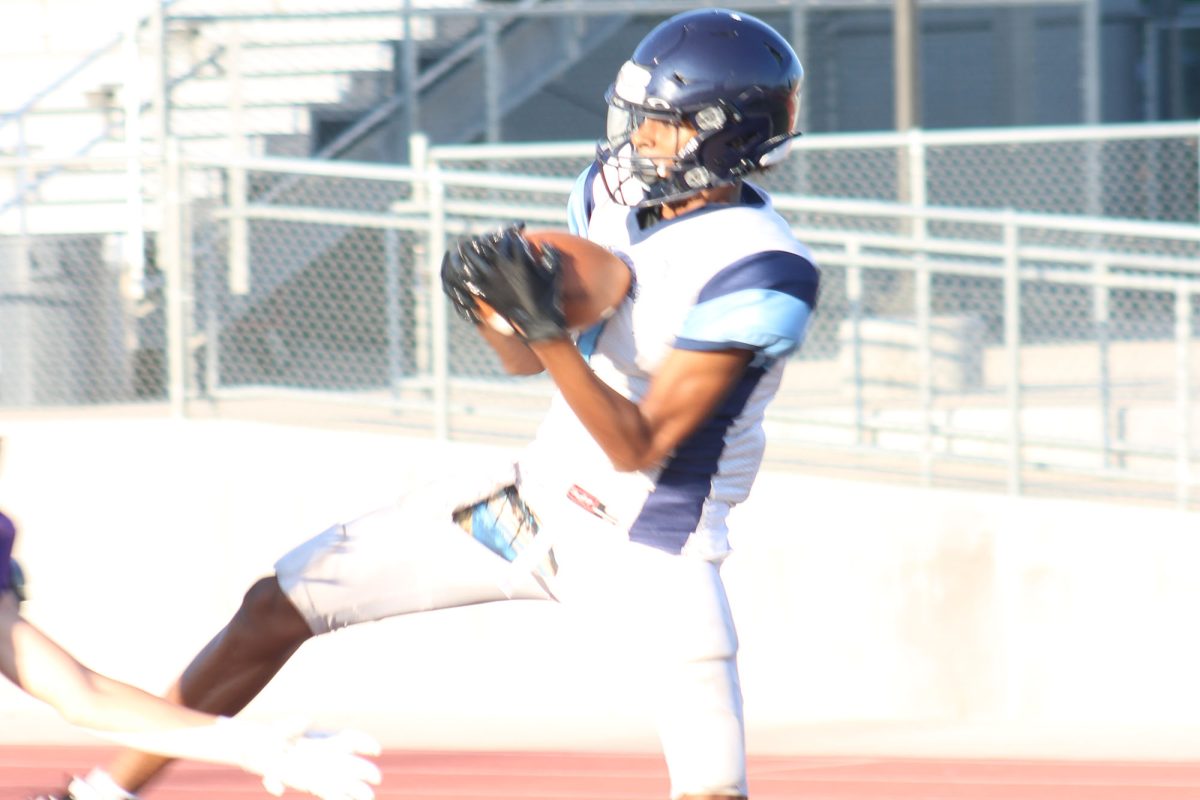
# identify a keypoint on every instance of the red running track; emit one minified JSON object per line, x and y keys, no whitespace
{"x":574,"y":776}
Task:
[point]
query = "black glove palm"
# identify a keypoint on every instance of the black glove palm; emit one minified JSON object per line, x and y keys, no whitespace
{"x":522,"y":284}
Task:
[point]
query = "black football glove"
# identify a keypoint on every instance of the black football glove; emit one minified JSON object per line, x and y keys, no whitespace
{"x":521,"y":283}
{"x":454,"y":284}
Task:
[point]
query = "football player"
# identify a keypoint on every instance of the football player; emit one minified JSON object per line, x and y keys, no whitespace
{"x":329,"y":766}
{"x":618,"y":507}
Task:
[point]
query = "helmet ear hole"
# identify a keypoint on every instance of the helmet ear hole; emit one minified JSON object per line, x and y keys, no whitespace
{"x":710,"y":118}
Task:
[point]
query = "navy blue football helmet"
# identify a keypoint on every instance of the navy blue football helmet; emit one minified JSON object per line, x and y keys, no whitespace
{"x":729,"y":76}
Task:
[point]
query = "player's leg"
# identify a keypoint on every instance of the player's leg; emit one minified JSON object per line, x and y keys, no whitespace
{"x":230,"y":671}
{"x":404,"y":558}
{"x":671,"y":614}
{"x":701,"y":729}
{"x":696,"y":690}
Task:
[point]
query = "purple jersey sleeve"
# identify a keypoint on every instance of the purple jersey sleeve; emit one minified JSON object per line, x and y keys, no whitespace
{"x":8,"y":533}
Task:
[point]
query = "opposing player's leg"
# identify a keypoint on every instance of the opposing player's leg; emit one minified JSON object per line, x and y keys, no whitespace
{"x":409,"y":557}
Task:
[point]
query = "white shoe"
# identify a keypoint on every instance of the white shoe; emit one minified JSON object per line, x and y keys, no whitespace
{"x":96,"y":786}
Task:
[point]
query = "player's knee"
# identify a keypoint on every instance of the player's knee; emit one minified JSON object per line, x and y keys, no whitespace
{"x":269,"y":616}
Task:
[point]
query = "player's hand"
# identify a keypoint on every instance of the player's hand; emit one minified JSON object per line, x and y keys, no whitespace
{"x":519,"y":282}
{"x":455,"y":285}
{"x":456,"y":282}
{"x":328,"y":765}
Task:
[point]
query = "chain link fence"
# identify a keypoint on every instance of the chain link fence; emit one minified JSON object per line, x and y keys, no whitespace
{"x":983,"y":342}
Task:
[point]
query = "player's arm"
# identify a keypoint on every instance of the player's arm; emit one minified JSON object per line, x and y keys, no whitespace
{"x":328,"y":766}
{"x":523,"y":288}
{"x":685,"y":391}
{"x":756,"y":310}
{"x":515,"y":356}
{"x":37,"y":664}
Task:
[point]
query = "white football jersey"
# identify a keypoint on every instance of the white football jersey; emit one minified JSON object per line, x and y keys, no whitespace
{"x":721,"y":277}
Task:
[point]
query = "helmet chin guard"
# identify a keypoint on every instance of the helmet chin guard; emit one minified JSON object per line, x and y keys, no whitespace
{"x":727,"y":75}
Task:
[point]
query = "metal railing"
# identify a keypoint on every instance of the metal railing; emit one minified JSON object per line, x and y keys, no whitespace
{"x":985,"y":346}
{"x":1120,"y":409}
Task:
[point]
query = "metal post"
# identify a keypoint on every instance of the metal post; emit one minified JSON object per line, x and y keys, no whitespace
{"x":799,"y":44}
{"x":1012,"y":345}
{"x":1151,"y":36}
{"x":916,"y":178}
{"x":906,"y":50}
{"x":410,"y":67}
{"x":162,"y":98}
{"x":134,"y":243}
{"x":213,"y":290}
{"x":187,"y":275}
{"x":906,"y":54}
{"x":573,"y":28}
{"x":1100,"y":318}
{"x":1090,"y":67}
{"x":25,"y":262}
{"x":922,"y":295}
{"x":439,"y":316}
{"x":923,"y":300}
{"x":799,"y":162}
{"x":19,"y":362}
{"x":418,"y":149}
{"x":239,"y":257}
{"x":418,"y":157}
{"x":1183,"y":394}
{"x":493,"y":77}
{"x":1091,"y":111}
{"x":1017,"y":64}
{"x":854,"y":291}
{"x":170,"y":252}
{"x":394,"y":310}
{"x":1176,"y":79}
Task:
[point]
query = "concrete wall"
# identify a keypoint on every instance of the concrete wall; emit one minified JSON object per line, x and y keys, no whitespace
{"x":872,"y":617}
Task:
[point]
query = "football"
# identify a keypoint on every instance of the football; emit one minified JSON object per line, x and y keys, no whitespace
{"x":594,"y":280}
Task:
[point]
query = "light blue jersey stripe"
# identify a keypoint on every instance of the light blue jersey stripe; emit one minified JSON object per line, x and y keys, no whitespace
{"x":588,"y":339}
{"x":581,"y":203}
{"x":763,"y":320}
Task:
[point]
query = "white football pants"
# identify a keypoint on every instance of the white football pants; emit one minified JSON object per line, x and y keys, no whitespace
{"x":669,"y":611}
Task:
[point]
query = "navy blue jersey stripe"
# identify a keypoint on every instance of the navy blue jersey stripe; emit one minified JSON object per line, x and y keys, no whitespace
{"x":778,"y":270}
{"x":672,"y":511}
{"x":752,"y":196}
{"x":682,"y":343}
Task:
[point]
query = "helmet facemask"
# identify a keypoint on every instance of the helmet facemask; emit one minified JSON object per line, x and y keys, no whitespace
{"x":635,"y":179}
{"x":721,"y":145}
